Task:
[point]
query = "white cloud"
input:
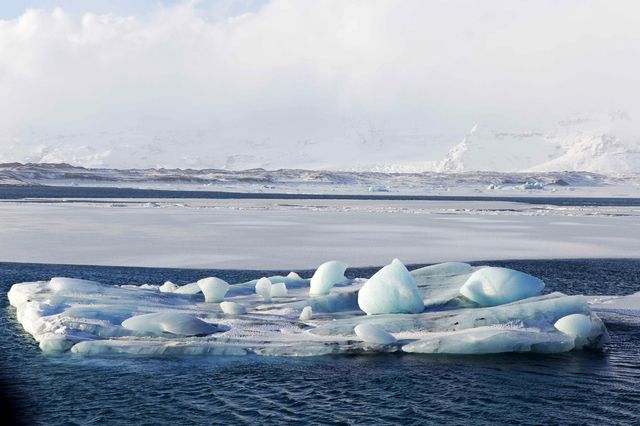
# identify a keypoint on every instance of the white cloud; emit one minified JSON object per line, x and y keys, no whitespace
{"x":295,"y":83}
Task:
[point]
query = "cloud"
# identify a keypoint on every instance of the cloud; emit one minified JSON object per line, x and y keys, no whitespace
{"x":294,"y":83}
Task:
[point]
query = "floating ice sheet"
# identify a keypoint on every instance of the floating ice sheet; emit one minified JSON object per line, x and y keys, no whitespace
{"x":276,"y":316}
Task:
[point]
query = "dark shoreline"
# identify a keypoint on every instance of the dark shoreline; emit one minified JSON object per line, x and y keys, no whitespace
{"x":80,"y":194}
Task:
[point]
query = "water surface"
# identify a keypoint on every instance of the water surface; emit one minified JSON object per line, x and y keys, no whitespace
{"x":572,"y":388}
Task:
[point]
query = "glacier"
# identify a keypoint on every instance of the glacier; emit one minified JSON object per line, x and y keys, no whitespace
{"x":396,"y":310}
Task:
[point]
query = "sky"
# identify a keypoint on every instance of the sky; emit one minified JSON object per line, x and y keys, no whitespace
{"x":321,"y":84}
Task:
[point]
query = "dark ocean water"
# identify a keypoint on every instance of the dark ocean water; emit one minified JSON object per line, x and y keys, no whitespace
{"x":91,"y":193}
{"x":573,"y":388}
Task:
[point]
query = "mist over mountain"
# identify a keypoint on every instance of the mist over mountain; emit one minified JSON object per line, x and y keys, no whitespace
{"x":332,"y":85}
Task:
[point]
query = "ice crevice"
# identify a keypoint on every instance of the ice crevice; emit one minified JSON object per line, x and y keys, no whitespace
{"x":451,"y":308}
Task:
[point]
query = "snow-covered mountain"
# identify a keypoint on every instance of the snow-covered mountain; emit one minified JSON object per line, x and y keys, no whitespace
{"x":610,"y":146}
{"x":605,"y":145}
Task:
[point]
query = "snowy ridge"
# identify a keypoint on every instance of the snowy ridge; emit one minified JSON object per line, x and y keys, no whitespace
{"x":608,"y":146}
{"x":303,"y":180}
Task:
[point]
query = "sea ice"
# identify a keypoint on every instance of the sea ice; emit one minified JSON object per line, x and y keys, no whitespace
{"x":372,"y":333}
{"x":489,"y":340}
{"x":190,"y":289}
{"x":327,"y":274}
{"x":390,"y":290}
{"x":89,"y":318}
{"x":232,"y":308}
{"x":178,"y":323}
{"x":214,"y":289}
{"x":62,"y":285}
{"x":168,"y":287}
{"x":492,"y":286}
{"x":442,"y":270}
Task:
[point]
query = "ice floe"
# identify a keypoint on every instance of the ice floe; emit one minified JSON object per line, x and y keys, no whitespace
{"x":450,"y":308}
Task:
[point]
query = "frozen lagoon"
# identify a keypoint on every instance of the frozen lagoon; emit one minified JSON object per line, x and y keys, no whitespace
{"x":268,"y":234}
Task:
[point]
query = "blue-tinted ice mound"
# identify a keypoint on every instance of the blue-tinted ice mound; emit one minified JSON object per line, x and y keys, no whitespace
{"x":391,"y":290}
{"x":375,"y":334}
{"x":181,"y":324}
{"x":492,"y":286}
{"x":327,"y":274}
{"x":214,"y":289}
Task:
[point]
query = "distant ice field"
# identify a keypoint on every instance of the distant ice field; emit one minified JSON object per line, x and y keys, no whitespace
{"x":303,"y":232}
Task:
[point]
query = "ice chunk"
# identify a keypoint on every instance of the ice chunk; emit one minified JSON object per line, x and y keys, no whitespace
{"x":154,"y":348}
{"x":540,"y":312}
{"x":279,"y":290}
{"x":178,"y":323}
{"x":575,"y":325}
{"x":442,"y":269}
{"x":232,"y":308}
{"x":292,"y":276}
{"x":213,"y":289}
{"x":263,"y":288}
{"x":190,"y":289}
{"x":306,"y":313}
{"x":327,"y":274}
{"x":54,"y":343}
{"x":390,"y":290}
{"x":372,"y":333}
{"x":489,"y":340}
{"x":491,"y":286}
{"x":624,"y":305}
{"x":168,"y":287}
{"x":335,"y":302}
{"x":73,"y":285}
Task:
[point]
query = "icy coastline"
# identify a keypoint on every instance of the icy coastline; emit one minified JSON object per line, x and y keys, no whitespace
{"x":450,"y":308}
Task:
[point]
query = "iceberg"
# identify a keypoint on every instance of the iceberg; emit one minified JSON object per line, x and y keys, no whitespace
{"x":492,"y":286}
{"x":214,"y":289}
{"x":327,"y":274}
{"x":306,"y":313}
{"x":92,"y":319}
{"x":390,"y":290}
{"x":279,"y":290}
{"x":263,"y":288}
